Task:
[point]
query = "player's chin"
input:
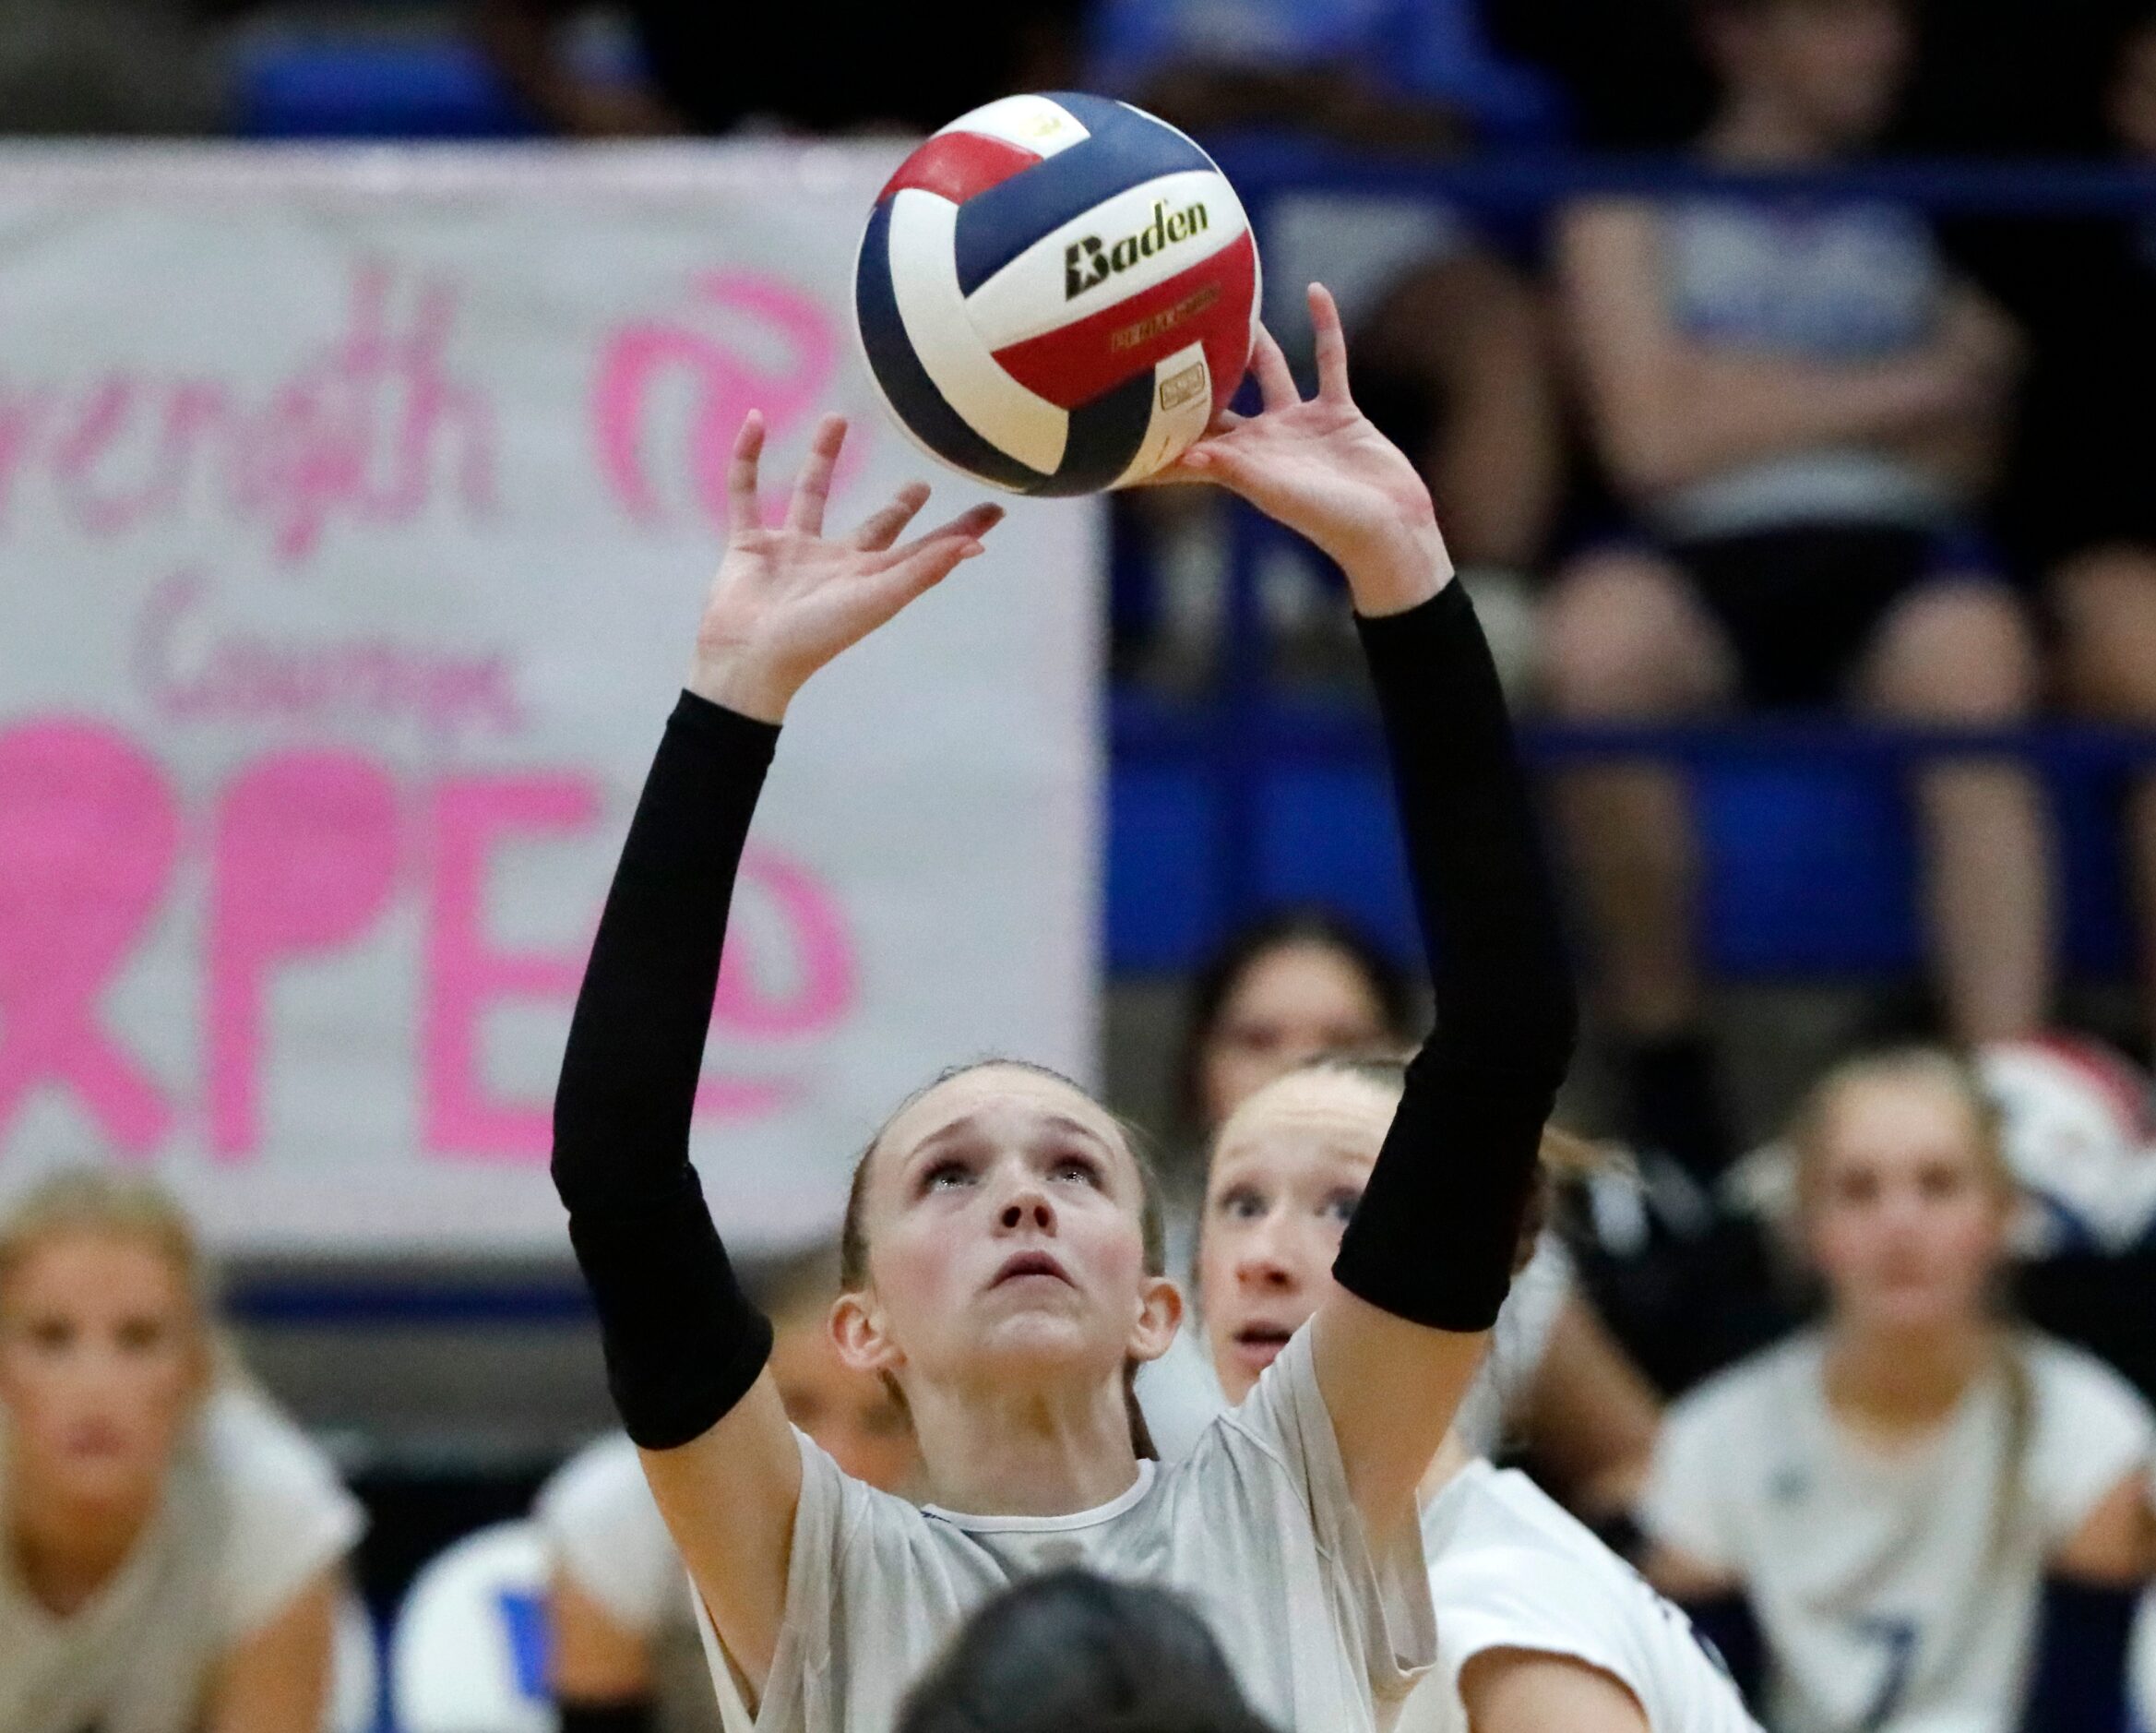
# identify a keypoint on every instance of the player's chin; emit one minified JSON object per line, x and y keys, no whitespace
{"x":1044,"y":1339}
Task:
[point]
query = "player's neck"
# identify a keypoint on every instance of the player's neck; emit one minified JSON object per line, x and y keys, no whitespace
{"x":1894,"y":1382}
{"x":1040,"y":1452}
{"x":1444,"y":1467}
{"x":65,"y":1550}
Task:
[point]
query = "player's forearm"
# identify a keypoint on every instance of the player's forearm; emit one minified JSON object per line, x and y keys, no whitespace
{"x":1433,"y":1238}
{"x":681,"y":1344}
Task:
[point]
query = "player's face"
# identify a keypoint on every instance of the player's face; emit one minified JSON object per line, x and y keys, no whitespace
{"x":852,"y":1415}
{"x":1835,"y":67}
{"x":101,"y":1363}
{"x":1293,"y":1004}
{"x":1005,"y":1218}
{"x":1286,"y":1175}
{"x":1905,"y":1219}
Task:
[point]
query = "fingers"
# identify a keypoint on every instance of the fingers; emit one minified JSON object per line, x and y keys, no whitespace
{"x":883,"y":527}
{"x":1332,"y":345}
{"x":740,"y":473}
{"x":1276,"y":383}
{"x":805,"y":511}
{"x":967,"y":527}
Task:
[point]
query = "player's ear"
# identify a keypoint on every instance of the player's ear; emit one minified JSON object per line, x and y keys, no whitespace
{"x":858,"y":1330}
{"x":1160,"y":1315}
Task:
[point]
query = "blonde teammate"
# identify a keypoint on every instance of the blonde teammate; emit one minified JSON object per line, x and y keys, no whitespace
{"x":1003,"y":1252}
{"x":171,"y":1549}
{"x":1538,"y":1624}
{"x":1890,"y":1492}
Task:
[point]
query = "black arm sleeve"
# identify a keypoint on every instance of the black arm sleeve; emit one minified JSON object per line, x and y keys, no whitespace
{"x":2078,"y":1682}
{"x":632,"y":1716}
{"x":1433,"y":1238}
{"x":682,"y":1344}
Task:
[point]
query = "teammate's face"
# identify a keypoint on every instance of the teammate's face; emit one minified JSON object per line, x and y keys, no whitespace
{"x":1286,"y":1175}
{"x":1293,"y":1004}
{"x":1005,"y":1220}
{"x":101,"y":1363}
{"x":1834,"y":68}
{"x":1905,"y":1218}
{"x":852,"y":1415}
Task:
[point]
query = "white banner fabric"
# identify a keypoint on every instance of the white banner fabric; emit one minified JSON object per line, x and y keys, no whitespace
{"x":355,"y":511}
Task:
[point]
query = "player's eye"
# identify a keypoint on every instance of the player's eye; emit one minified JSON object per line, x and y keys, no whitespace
{"x":1082,"y":1169}
{"x":1340,"y":1206}
{"x":51,"y":1335}
{"x":946,"y":1176}
{"x":140,"y":1335}
{"x":1241,"y":1203}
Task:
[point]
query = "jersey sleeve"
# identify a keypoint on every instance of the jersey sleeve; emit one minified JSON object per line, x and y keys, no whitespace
{"x":1382,"y":1599}
{"x":1521,"y":1598}
{"x":603,"y":1529}
{"x":289,"y":1517}
{"x":2091,"y":1430}
{"x":1686,"y":1504}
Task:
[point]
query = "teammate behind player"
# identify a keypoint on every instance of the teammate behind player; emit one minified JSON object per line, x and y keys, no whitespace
{"x":1003,"y":1252}
{"x":626,"y":1655}
{"x":171,"y":1549}
{"x":1904,"y":1495}
{"x":1538,"y":1624}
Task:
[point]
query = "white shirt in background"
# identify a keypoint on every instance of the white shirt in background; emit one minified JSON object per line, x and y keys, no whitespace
{"x":1510,"y":1569}
{"x":253,"y":1514}
{"x":1897,"y":1592}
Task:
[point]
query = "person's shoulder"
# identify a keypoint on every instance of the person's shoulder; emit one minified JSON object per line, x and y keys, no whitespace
{"x":2075,"y":1378}
{"x":604,"y":1478}
{"x":262,"y":1459}
{"x":2085,"y":1414}
{"x":288,"y":1513}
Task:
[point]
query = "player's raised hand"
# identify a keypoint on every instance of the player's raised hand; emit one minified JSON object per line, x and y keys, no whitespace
{"x":789,"y":598}
{"x":1322,"y":469}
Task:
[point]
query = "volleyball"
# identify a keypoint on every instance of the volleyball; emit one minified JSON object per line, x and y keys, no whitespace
{"x":1056,"y":294}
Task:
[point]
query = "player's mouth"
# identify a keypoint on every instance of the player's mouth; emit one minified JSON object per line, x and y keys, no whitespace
{"x":1256,"y":1347}
{"x":1031,"y":1266}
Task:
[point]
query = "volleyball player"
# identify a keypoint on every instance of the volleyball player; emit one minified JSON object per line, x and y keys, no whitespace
{"x":625,"y":1657}
{"x":1302,"y":983}
{"x":1002,"y":1252}
{"x":1936,"y":1520}
{"x":171,"y":1549}
{"x":1538,"y":1624}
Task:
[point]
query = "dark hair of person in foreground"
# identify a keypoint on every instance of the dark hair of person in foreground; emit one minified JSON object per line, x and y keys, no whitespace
{"x":1072,"y":1653}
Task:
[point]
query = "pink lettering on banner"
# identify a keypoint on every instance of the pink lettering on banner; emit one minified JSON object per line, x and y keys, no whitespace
{"x":727,"y":383}
{"x":371,"y":427}
{"x":466,"y":975}
{"x":88,"y":832}
{"x":305,"y":861}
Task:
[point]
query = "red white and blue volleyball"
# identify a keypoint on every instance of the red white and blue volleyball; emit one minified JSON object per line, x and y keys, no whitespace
{"x":1056,"y":294}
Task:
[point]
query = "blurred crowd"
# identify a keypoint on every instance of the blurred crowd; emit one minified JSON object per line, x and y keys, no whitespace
{"x":1700,"y":454}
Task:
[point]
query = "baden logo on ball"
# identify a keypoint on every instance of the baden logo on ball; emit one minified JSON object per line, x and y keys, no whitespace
{"x":1056,"y":294}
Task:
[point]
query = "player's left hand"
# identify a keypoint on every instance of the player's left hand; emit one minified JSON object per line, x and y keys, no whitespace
{"x":1321,"y":468}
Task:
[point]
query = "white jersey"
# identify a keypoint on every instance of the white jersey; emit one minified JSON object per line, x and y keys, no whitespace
{"x":1897,"y":1592}
{"x":1255,"y":1526}
{"x":1510,"y":1569}
{"x":253,"y":1512}
{"x":602,"y":1528}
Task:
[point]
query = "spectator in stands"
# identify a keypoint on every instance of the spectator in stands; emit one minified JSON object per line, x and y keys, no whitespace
{"x":1306,"y":982}
{"x":172,"y":1549}
{"x":627,"y":1657}
{"x":1451,"y":342}
{"x":1071,"y":1653}
{"x":716,"y":69}
{"x":1799,"y":404}
{"x":1928,"y":1516}
{"x":2083,"y":494}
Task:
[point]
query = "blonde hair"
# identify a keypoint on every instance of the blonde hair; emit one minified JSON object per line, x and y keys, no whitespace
{"x":1955,"y":1072}
{"x":102,"y":1202}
